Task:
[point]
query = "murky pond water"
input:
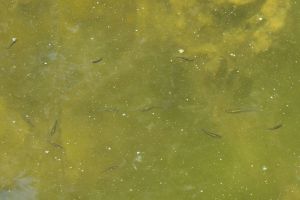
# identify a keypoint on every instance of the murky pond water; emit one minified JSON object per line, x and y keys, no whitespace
{"x":150,"y":99}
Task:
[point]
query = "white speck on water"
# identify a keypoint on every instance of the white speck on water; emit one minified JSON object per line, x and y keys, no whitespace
{"x":46,"y":152}
{"x":92,"y":38}
{"x":264,"y":168}
{"x":181,"y":50}
{"x":45,"y":63}
{"x":260,"y":18}
{"x":14,"y":39}
{"x":138,"y":157}
{"x":13,"y":121}
{"x":232,"y":54}
{"x":124,"y":114}
{"x":57,"y":158}
{"x":266,"y":181}
{"x":130,"y":190}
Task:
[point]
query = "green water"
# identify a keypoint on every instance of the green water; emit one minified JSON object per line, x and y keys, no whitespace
{"x":149,"y":99}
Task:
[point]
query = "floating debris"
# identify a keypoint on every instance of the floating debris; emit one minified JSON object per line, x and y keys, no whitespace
{"x":14,"y":40}
{"x":184,"y":58}
{"x":211,"y":134}
{"x":97,"y":61}
{"x":278,"y":126}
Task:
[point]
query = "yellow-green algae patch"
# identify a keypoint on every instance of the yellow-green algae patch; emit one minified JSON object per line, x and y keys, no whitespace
{"x":13,"y":136}
{"x":233,"y":32}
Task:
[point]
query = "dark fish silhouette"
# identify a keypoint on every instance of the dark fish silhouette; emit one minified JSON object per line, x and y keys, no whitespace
{"x":56,"y":145}
{"x":97,"y":61}
{"x":111,"y":168}
{"x":185,"y":59}
{"x":54,"y":127}
{"x":211,"y":134}
{"x":237,"y":111}
{"x":278,"y":126}
{"x":14,"y":40}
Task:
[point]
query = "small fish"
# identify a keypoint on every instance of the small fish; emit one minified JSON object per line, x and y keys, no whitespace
{"x":237,"y":111}
{"x":14,"y":40}
{"x":56,"y":145}
{"x":97,"y":61}
{"x":146,"y":109}
{"x":278,"y":126}
{"x":184,"y":58}
{"x":110,"y":110}
{"x":111,"y":168}
{"x":54,"y":127}
{"x":211,"y":134}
